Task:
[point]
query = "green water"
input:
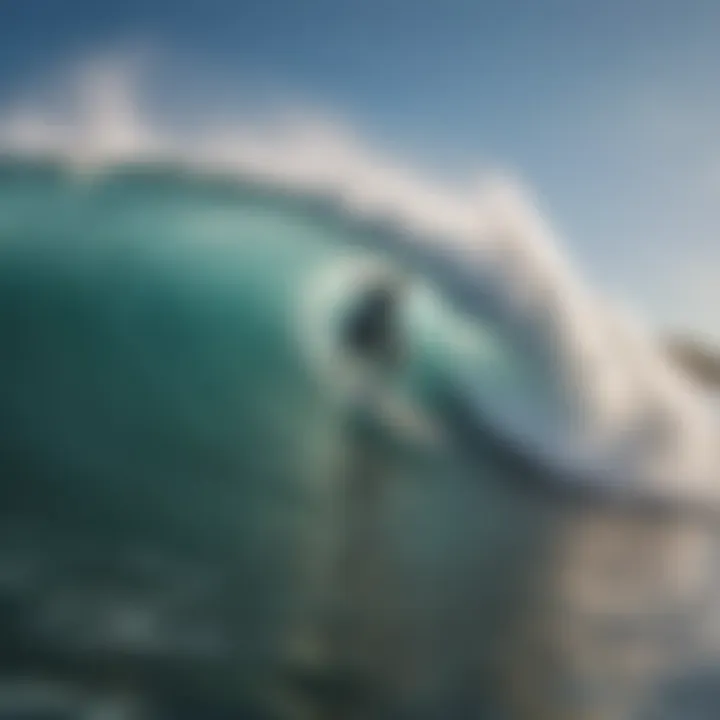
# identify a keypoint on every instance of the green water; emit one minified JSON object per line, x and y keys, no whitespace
{"x":169,"y":451}
{"x":195,"y":509}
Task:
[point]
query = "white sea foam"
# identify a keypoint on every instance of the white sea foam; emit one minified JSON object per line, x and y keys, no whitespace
{"x":625,"y":410}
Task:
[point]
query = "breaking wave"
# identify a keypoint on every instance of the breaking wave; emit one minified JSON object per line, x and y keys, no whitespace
{"x":606,"y":403}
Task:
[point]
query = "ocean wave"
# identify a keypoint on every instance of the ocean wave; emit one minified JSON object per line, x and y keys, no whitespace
{"x":612,"y":405}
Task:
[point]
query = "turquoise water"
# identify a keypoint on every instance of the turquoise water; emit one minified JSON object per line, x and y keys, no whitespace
{"x":161,"y":404}
{"x":195,"y":509}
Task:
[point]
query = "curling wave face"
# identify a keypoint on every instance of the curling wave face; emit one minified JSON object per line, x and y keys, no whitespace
{"x":614,"y":409}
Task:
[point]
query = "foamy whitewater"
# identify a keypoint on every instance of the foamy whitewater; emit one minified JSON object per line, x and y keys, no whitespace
{"x":618,"y":413}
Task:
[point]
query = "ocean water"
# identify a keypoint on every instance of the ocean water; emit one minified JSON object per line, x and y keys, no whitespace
{"x":210,"y":508}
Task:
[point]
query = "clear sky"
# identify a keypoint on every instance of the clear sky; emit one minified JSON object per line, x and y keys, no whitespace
{"x":608,"y":109}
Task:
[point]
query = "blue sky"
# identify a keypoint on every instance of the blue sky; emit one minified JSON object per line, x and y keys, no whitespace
{"x":609,"y":110}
